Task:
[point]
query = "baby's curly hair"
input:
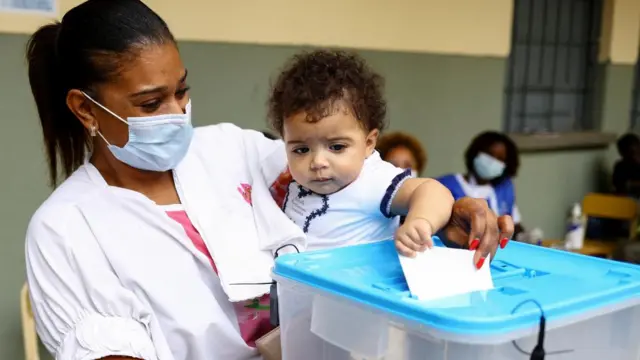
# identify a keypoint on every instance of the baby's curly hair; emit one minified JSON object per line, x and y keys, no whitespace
{"x":388,"y":142}
{"x":315,"y":81}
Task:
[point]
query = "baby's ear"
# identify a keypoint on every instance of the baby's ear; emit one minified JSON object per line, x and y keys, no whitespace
{"x":372,"y":139}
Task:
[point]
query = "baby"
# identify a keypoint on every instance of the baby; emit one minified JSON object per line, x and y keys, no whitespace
{"x":329,"y":109}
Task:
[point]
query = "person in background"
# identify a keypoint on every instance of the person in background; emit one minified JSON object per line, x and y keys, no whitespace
{"x":626,"y":172}
{"x":492,"y":160}
{"x":403,"y":151}
{"x":626,"y":182}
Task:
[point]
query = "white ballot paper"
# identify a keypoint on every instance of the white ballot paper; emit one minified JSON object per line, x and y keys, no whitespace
{"x":441,"y":272}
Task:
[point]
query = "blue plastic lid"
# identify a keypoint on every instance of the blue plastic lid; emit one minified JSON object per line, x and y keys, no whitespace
{"x":563,"y":283}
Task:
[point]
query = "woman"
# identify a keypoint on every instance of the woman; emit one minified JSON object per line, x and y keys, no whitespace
{"x":403,"y":151}
{"x":137,"y":254}
{"x":492,"y":160}
{"x":626,"y":172}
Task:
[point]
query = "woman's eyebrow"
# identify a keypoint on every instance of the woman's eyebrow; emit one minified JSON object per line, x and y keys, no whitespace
{"x":158,"y":89}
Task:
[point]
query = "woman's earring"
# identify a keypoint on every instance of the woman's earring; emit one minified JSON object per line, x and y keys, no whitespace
{"x":93,"y":131}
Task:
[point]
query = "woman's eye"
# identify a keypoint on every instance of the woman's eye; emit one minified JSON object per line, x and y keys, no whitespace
{"x":301,"y":150}
{"x":337,"y":147}
{"x":151,"y":106}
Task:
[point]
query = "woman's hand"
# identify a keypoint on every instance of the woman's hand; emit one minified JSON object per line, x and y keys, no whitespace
{"x":474,"y":225}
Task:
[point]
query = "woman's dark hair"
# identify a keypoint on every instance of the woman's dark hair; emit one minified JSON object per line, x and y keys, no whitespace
{"x":314,"y":81}
{"x":390,"y":141}
{"x":483,"y":142}
{"x":625,"y":143}
{"x":89,"y":46}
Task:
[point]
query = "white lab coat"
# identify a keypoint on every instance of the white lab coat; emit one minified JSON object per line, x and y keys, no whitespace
{"x":111,"y":274}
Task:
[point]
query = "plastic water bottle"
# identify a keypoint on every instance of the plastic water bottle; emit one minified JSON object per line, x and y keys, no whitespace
{"x":536,"y":236}
{"x":533,"y":236}
{"x":574,"y":238}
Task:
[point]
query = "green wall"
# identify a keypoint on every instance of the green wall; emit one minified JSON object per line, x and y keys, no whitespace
{"x":444,"y":100}
{"x":22,"y":184}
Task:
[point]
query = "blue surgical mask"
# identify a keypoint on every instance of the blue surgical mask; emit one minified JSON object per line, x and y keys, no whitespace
{"x":488,"y":167}
{"x":156,"y":143}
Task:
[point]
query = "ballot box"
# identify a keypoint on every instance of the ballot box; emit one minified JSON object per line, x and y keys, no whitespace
{"x":353,"y":303}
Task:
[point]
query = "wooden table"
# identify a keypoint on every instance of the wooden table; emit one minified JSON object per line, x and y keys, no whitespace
{"x":590,"y":247}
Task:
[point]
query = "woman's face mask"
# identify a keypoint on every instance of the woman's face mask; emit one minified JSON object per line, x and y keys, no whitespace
{"x":487,"y":167}
{"x":156,"y":143}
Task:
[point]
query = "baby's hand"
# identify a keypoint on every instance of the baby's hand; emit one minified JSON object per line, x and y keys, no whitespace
{"x":414,"y":235}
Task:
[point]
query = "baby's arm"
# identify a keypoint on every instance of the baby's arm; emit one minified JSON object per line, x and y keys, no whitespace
{"x":427,"y":205}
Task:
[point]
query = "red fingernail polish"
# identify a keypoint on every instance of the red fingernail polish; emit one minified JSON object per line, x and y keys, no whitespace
{"x":480,"y":263}
{"x":503,"y":243}
{"x":474,"y":244}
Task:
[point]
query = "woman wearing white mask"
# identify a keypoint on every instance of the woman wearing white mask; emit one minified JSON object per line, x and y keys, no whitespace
{"x":492,"y":160}
{"x":149,"y":248}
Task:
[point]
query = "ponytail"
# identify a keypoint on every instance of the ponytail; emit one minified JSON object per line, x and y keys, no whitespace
{"x":65,"y":138}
